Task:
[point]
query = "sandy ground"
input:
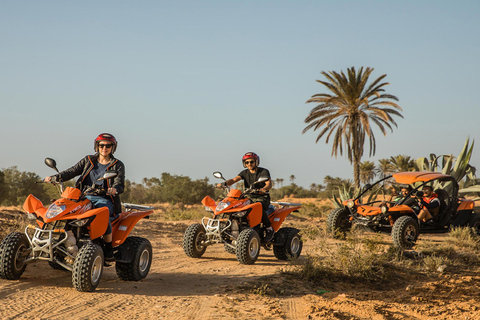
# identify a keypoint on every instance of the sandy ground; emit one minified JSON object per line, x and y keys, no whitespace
{"x":218,"y":287}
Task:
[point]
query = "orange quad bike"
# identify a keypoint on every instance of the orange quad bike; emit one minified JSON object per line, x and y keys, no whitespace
{"x":69,"y":234}
{"x":236,"y":223}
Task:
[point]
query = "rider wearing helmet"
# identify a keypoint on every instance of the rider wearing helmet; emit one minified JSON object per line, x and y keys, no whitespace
{"x":250,"y":175}
{"x":90,"y":169}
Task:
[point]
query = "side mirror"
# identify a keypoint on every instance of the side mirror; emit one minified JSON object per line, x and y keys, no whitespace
{"x":261,"y":179}
{"x":218,"y":175}
{"x":51,"y":163}
{"x":108,"y":175}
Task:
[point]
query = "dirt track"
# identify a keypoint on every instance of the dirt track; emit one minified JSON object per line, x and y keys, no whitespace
{"x":218,"y":287}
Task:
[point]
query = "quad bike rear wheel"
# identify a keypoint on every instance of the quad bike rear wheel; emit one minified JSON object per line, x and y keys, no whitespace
{"x":193,"y":240}
{"x":88,"y":267}
{"x":338,"y":222}
{"x":248,"y":246}
{"x":14,"y":249}
{"x":138,"y":268}
{"x":405,"y":232}
{"x":292,"y":244}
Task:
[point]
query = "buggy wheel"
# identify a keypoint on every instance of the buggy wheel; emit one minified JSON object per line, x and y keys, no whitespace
{"x":193,"y":241}
{"x":248,"y":246}
{"x":338,"y":222}
{"x":88,"y":267}
{"x":14,"y":249}
{"x":292,"y":244}
{"x":475,"y":223}
{"x":138,"y":268}
{"x":405,"y":232}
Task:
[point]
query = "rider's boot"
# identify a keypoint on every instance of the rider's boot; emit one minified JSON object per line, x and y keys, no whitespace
{"x":108,"y":252}
{"x":269,"y":232}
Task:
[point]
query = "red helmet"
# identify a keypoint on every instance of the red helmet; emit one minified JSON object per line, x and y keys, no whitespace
{"x":250,"y":155}
{"x":105,"y":137}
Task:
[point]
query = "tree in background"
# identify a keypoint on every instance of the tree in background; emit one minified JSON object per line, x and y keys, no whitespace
{"x":346,"y":115}
{"x":401,"y":163}
{"x":292,"y":179}
{"x":17,"y":185}
{"x":384,"y":168}
{"x":367,"y":171}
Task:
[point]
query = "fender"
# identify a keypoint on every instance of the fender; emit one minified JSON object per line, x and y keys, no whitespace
{"x":279,"y":215}
{"x":125,"y":222}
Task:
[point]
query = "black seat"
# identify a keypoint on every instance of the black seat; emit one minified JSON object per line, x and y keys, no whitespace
{"x":444,"y":201}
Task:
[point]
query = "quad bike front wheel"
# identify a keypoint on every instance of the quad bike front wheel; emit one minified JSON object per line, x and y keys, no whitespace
{"x":338,"y":222}
{"x":405,"y":232}
{"x":193,"y":240}
{"x":248,"y":246}
{"x":138,"y":268}
{"x":291,"y":244}
{"x":88,"y":267}
{"x":14,"y":249}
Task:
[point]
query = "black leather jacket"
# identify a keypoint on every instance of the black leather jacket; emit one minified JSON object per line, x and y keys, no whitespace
{"x":83,"y":168}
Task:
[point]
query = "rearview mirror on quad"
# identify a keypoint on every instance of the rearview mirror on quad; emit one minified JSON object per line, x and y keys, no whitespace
{"x":218,"y":175}
{"x":51,"y":163}
{"x":108,"y":175}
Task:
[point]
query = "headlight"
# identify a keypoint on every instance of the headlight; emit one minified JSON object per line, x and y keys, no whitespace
{"x":222,"y":206}
{"x":54,"y":210}
{"x":384,"y":209}
{"x":79,"y":223}
{"x":241,"y":214}
{"x":350,"y":204}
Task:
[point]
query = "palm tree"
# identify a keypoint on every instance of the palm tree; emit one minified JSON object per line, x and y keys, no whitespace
{"x":402,"y":163}
{"x":292,"y":178}
{"x":367,"y":171}
{"x":347,"y":113}
{"x":384,"y":167}
{"x":281,"y":182}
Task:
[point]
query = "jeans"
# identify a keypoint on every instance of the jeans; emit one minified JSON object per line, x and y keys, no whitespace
{"x":99,"y":202}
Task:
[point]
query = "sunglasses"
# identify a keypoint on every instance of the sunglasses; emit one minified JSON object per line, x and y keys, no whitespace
{"x":249,"y":162}
{"x":105,"y":145}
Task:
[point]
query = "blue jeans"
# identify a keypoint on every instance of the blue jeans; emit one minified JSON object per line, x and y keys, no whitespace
{"x":99,"y":202}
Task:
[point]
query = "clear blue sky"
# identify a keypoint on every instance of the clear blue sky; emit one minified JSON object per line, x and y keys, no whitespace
{"x":188,"y":87}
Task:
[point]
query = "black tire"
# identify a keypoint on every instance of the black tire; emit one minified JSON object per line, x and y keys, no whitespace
{"x":229,"y":249}
{"x":338,"y":222}
{"x":192,"y":241}
{"x":405,"y":232}
{"x":88,"y":267}
{"x":248,"y":246}
{"x":475,"y":222}
{"x":14,"y":249}
{"x":292,"y":247}
{"x":140,"y":265}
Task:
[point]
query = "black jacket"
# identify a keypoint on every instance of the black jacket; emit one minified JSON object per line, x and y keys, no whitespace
{"x":83,"y":168}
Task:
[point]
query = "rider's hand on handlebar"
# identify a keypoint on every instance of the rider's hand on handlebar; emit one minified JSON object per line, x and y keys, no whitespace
{"x":47,"y":179}
{"x":112,"y":191}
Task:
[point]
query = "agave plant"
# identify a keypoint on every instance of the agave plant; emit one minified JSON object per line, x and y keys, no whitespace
{"x":459,"y":167}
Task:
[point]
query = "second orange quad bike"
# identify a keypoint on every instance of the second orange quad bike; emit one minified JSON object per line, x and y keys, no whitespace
{"x":68,"y":234}
{"x":236,"y":222}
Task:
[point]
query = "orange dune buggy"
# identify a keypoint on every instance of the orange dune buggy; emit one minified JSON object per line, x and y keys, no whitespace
{"x":399,"y":219}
